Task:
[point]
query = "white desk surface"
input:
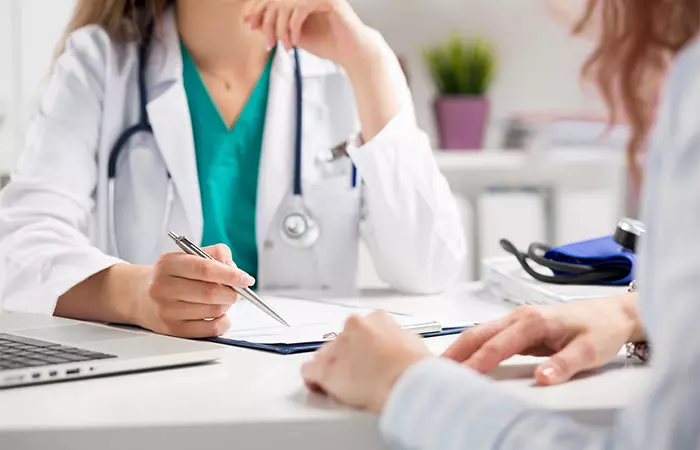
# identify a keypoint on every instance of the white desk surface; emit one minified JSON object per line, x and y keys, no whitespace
{"x":252,"y":400}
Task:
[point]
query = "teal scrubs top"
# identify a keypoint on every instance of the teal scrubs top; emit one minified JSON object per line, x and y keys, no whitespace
{"x":228,"y":161}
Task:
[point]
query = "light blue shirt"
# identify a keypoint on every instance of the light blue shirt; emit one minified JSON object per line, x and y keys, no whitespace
{"x":438,"y":404}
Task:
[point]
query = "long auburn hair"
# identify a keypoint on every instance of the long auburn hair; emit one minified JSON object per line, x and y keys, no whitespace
{"x":123,"y":20}
{"x":638,"y":39}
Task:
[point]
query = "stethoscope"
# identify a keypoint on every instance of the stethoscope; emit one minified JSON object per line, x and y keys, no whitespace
{"x":298,"y":227}
{"x":627,"y":233}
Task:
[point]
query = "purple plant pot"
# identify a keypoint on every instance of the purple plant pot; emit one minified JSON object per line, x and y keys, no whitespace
{"x":461,"y":121}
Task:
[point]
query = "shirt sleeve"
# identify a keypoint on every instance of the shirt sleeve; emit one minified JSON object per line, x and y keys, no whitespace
{"x":437,"y":404}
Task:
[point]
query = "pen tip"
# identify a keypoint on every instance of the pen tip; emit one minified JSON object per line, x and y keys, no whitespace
{"x":173,"y":235}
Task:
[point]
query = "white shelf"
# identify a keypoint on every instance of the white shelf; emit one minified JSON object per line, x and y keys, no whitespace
{"x":517,"y":159}
{"x":584,"y":168}
{"x":468,"y":160}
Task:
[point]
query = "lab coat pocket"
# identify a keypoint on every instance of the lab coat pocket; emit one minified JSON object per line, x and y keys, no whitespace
{"x":141,"y":201}
{"x":335,"y":205}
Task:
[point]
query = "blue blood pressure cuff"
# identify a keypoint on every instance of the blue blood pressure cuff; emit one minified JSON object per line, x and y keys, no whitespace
{"x":600,"y":261}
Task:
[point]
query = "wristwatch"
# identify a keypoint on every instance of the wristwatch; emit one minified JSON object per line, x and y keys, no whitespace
{"x":637,"y":350}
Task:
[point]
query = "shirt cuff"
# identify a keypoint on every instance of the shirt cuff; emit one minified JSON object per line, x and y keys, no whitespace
{"x":439,"y":404}
{"x":384,"y":150}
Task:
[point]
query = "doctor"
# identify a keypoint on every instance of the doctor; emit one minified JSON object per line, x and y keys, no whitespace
{"x":277,"y":132}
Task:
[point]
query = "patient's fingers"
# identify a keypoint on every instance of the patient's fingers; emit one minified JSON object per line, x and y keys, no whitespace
{"x":472,"y":339}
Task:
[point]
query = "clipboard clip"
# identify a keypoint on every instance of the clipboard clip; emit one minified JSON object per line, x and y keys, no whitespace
{"x":420,"y":328}
{"x":330,"y":336}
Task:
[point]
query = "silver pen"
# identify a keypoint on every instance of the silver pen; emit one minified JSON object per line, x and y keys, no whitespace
{"x":190,"y":248}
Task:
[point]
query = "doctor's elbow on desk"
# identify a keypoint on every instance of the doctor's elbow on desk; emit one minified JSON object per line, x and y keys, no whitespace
{"x":427,"y":272}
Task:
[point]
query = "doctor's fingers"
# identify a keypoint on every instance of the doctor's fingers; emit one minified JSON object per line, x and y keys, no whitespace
{"x":202,"y":269}
{"x":192,"y":291}
{"x":296,"y":22}
{"x":289,"y":16}
{"x":269,"y":26}
{"x":221,"y":253}
{"x":255,"y":13}
{"x":199,"y":328}
{"x":282,"y":31}
{"x":180,"y":311}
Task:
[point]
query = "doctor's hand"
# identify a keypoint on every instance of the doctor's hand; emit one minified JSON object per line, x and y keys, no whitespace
{"x":329,"y":29}
{"x":361,"y":366}
{"x":578,"y":336}
{"x":188,"y":296}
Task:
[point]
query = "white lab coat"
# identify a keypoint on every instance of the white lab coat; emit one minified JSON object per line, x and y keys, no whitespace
{"x":54,"y":229}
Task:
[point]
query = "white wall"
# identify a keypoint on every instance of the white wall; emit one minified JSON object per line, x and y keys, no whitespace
{"x":41,"y":23}
{"x":6,"y":122}
{"x":539,"y":61}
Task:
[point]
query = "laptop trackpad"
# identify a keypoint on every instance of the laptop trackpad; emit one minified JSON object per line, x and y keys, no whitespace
{"x":77,"y":334}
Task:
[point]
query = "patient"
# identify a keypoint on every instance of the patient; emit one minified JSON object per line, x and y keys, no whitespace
{"x":428,"y":402}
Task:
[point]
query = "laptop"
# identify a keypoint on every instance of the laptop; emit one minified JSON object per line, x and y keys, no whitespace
{"x":38,"y":349}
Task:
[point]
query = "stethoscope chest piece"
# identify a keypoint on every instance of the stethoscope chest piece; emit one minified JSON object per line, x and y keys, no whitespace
{"x":299,"y":229}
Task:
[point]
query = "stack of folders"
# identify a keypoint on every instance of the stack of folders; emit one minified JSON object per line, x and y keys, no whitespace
{"x":312,"y":323}
{"x":505,"y":280}
{"x":559,"y":131}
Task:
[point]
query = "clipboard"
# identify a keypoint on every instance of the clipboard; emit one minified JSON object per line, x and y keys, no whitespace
{"x":314,"y":323}
{"x":307,"y":347}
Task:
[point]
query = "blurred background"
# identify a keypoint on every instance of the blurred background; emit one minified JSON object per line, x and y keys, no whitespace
{"x":540,"y":168}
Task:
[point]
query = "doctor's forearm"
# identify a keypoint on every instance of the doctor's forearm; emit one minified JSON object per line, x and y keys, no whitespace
{"x":107,"y":296}
{"x":376,"y":97}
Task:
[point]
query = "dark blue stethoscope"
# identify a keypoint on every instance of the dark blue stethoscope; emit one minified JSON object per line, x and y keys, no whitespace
{"x":299,"y":229}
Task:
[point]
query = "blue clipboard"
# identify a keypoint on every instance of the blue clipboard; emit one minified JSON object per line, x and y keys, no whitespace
{"x":290,"y":349}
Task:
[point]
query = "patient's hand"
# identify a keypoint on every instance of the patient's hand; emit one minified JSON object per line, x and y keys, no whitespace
{"x":361,"y":366}
{"x":578,"y":336}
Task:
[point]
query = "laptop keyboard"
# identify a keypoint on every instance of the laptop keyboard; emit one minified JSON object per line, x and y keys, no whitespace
{"x":17,"y":352}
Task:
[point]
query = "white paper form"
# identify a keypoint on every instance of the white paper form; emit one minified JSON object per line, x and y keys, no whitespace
{"x":310,"y":321}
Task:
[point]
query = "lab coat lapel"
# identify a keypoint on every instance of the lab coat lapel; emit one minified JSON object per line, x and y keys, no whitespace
{"x":277,"y":157}
{"x":276,"y":173}
{"x":169,"y":114}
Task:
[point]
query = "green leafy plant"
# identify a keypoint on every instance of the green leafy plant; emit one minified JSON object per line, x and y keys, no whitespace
{"x":462,"y":66}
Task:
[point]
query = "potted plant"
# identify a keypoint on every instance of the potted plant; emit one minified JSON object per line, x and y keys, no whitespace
{"x":463,"y":70}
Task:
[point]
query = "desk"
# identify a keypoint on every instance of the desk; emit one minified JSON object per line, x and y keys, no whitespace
{"x":255,"y":400}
